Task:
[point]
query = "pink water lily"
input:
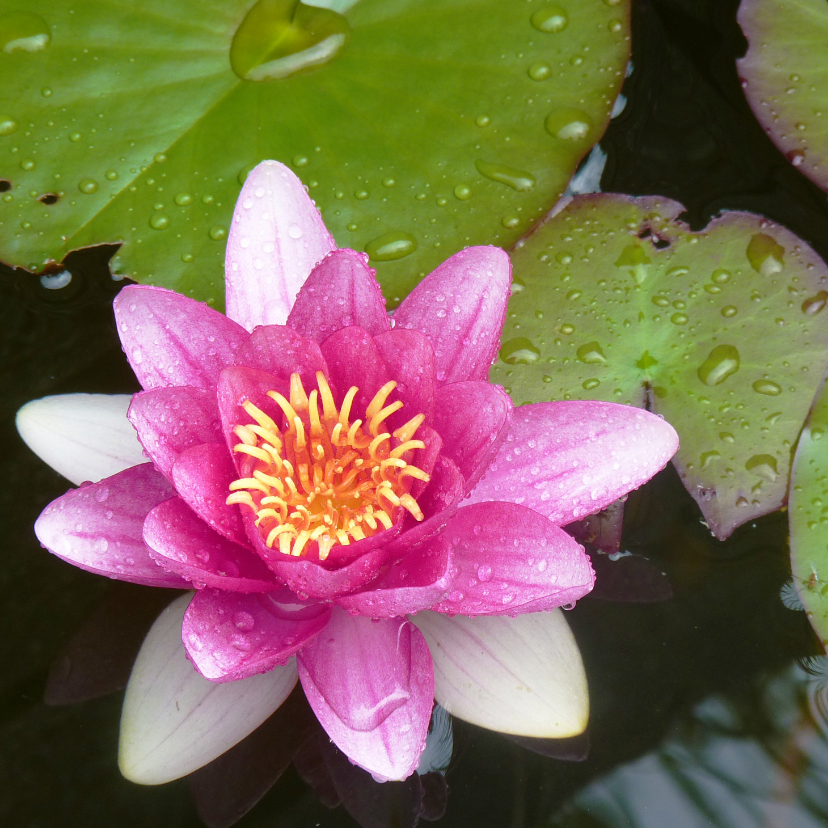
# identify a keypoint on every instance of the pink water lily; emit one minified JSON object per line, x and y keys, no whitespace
{"x":356,"y":506}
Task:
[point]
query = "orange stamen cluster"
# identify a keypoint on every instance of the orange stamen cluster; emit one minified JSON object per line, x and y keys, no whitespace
{"x":322,"y":478}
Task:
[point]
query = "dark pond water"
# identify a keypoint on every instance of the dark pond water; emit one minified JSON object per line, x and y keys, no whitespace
{"x":707,"y":707}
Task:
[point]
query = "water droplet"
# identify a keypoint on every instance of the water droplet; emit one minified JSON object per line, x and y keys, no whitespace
{"x":88,"y":186}
{"x":679,"y":318}
{"x":796,"y":157}
{"x":708,"y":457}
{"x":568,"y":124}
{"x":482,"y":120}
{"x":183,"y":199}
{"x":187,"y":257}
{"x":814,"y":304}
{"x":46,"y":92}
{"x":729,"y":311}
{"x":484,"y":572}
{"x":300,"y":160}
{"x":590,"y":384}
{"x":646,"y":361}
{"x":388,"y":181}
{"x":361,"y":194}
{"x":395,"y":244}
{"x":22,"y":31}
{"x":74,"y":137}
{"x":277,"y":39}
{"x":510,"y":221}
{"x":218,"y":233}
{"x":27,"y":164}
{"x":244,"y":621}
{"x":7,"y":125}
{"x":764,"y":466}
{"x":766,"y":387}
{"x":549,"y":19}
{"x":591,"y":354}
{"x":159,"y":221}
{"x":635,"y":257}
{"x":540,"y":71}
{"x":111,"y":175}
{"x":765,"y":254}
{"x":519,"y":351}
{"x":159,"y":157}
{"x":295,"y":231}
{"x":567,"y":329}
{"x":661,"y":301}
{"x":516,"y":179}
{"x":463,"y":192}
{"x":722,"y":362}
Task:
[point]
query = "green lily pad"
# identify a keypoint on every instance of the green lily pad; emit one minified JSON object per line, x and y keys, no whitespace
{"x":808,"y":508}
{"x":723,"y":332}
{"x":785,"y":77}
{"x":419,"y":126}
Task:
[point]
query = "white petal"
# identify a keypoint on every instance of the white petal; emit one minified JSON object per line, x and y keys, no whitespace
{"x":174,"y":721}
{"x":81,"y":436}
{"x":520,"y":675}
{"x":276,"y":238}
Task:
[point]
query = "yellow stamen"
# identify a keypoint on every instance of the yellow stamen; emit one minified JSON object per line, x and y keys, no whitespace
{"x":319,"y":481}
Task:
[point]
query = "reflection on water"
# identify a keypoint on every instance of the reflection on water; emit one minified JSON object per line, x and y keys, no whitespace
{"x":756,"y":759}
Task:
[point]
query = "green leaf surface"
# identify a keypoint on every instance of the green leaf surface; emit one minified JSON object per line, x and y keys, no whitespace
{"x":785,"y":77}
{"x":808,"y":511}
{"x":419,"y":126}
{"x":723,"y":332}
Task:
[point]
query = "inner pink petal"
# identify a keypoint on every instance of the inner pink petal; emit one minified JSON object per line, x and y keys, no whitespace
{"x":281,"y":351}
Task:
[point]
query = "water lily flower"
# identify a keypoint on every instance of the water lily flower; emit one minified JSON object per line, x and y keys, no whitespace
{"x":355,"y":505}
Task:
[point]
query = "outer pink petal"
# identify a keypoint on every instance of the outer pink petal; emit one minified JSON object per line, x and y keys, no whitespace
{"x":99,"y":527}
{"x":172,"y":340}
{"x":410,"y":360}
{"x":570,"y":459}
{"x":507,"y":558}
{"x":202,"y":476}
{"x":230,"y":636}
{"x":181,"y":542}
{"x":237,"y":385}
{"x":281,"y":351}
{"x":461,"y":307}
{"x":353,"y":359}
{"x":416,"y":582}
{"x":276,"y":238}
{"x":473,"y":419}
{"x":172,"y":420}
{"x":340,"y":292}
{"x":371,"y":685}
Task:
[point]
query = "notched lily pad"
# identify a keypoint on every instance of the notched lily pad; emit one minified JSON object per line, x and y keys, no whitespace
{"x":419,"y":126}
{"x":723,"y":332}
{"x":808,"y":509}
{"x":785,"y":77}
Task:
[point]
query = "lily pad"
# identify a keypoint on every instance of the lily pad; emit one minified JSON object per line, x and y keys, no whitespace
{"x":723,"y":332}
{"x":809,"y":517}
{"x":785,"y":77}
{"x":419,"y":126}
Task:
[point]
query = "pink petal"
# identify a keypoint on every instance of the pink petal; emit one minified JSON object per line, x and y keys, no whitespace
{"x":308,"y":579}
{"x":473,"y":419}
{"x":276,"y":238}
{"x":425,"y":459}
{"x":570,"y":459}
{"x":506,"y":556}
{"x":172,"y":340}
{"x":230,"y":636}
{"x":340,"y":292}
{"x":202,"y":476}
{"x":237,"y":385}
{"x":371,"y":685}
{"x":461,"y":307}
{"x":438,"y":503}
{"x":281,"y":351}
{"x":181,"y":542}
{"x":172,"y":420}
{"x":410,"y":360}
{"x":99,"y":527}
{"x":416,"y":582}
{"x":353,"y":359}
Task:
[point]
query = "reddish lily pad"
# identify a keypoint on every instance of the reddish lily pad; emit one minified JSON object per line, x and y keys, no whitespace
{"x":785,"y":76}
{"x":809,"y":517}
{"x":723,"y":332}
{"x":419,"y":126}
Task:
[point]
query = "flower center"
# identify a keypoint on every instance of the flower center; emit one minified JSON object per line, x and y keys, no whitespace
{"x":322,"y":478}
